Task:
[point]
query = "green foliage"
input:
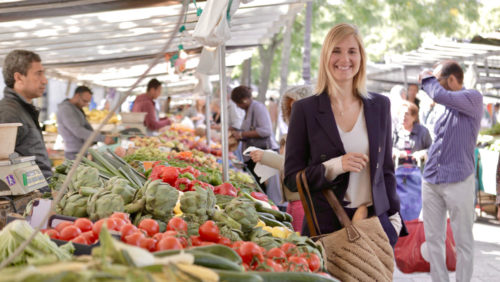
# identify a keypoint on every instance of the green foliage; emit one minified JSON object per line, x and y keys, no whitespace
{"x":387,"y":27}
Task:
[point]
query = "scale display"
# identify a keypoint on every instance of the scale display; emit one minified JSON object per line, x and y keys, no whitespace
{"x":20,"y":178}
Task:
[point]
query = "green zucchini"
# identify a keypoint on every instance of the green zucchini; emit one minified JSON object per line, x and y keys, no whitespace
{"x":271,"y":222}
{"x":292,"y":276}
{"x":233,"y":276}
{"x":205,"y":259}
{"x":268,"y":215}
{"x":220,"y":250}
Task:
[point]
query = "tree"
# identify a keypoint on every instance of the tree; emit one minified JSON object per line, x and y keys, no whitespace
{"x":387,"y":26}
{"x":266,"y":60}
{"x":306,"y":65}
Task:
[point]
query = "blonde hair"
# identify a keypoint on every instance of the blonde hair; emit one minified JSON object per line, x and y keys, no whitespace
{"x":326,"y":82}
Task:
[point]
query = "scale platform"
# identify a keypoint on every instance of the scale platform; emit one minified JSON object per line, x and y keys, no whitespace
{"x":20,"y":175}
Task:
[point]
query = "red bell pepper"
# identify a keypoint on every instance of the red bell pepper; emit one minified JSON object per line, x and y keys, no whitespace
{"x":259,"y":196}
{"x":202,"y":184}
{"x":226,"y":189}
{"x":170,"y":175}
{"x":183,"y":184}
{"x":191,"y":170}
{"x":157,"y":172}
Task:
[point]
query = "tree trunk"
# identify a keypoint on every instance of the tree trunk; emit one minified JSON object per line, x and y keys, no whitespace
{"x":246,"y":74}
{"x":266,"y":60}
{"x":306,"y":63}
{"x":285,"y":55}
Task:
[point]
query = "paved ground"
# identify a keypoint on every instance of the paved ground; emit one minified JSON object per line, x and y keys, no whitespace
{"x":486,"y":254}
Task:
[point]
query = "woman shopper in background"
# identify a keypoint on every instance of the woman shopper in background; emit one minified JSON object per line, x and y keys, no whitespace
{"x":256,"y":128}
{"x":342,"y":138}
{"x":277,"y":161}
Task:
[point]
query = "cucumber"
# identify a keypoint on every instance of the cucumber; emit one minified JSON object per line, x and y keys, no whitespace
{"x":220,"y":250}
{"x":292,"y":276}
{"x":214,"y":261}
{"x":205,"y":259}
{"x":268,"y":215}
{"x":272,"y":222}
{"x":232,"y":276}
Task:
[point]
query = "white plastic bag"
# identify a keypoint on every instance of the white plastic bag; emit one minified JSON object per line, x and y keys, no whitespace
{"x":209,"y":61}
{"x":212,"y":28}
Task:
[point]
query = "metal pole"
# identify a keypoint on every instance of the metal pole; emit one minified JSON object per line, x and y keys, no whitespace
{"x":223,"y":109}
{"x":207,"y":117}
{"x":405,"y":79}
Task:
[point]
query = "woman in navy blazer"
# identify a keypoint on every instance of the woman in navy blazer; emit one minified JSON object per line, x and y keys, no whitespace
{"x":315,"y":144}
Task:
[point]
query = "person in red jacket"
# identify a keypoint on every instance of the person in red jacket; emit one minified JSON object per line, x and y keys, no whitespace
{"x":145,"y":103}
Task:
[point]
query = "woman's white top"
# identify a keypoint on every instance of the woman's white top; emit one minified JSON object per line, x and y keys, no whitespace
{"x":359,"y":191}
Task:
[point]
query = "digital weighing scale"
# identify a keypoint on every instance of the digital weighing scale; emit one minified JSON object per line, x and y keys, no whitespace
{"x":20,"y":175}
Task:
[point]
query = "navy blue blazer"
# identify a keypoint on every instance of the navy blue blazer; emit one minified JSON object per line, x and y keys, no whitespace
{"x":313,"y":138}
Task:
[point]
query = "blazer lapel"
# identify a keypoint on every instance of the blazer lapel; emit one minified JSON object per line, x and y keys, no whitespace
{"x":372,"y":117}
{"x":327,"y":122}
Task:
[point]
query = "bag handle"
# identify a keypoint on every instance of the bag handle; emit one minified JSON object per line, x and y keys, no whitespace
{"x":352,"y":232}
{"x":309,"y":212}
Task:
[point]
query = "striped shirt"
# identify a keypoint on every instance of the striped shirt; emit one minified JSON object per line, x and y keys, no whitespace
{"x":451,"y":156}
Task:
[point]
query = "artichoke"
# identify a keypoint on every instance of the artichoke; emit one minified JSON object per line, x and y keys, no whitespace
{"x":85,"y":176}
{"x":160,"y":200}
{"x":103,"y":203}
{"x":243,"y":212}
{"x":200,"y":202}
{"x":120,"y":186}
{"x":73,"y":204}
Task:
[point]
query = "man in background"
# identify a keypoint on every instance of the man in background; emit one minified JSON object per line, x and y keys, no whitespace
{"x":72,"y":123}
{"x":25,"y":80}
{"x":146,"y":103}
{"x":449,"y":183}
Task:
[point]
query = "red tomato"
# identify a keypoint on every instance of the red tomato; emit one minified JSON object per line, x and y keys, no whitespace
{"x":312,"y":260}
{"x":236,"y":245}
{"x":70,"y":232}
{"x":250,"y":253}
{"x":183,"y":241}
{"x":226,"y":189}
{"x":171,"y":233}
{"x":80,"y":240}
{"x":158,"y":236}
{"x":288,"y":248}
{"x":112,"y":224}
{"x":297,"y":264}
{"x":275,"y":266}
{"x":119,"y":223}
{"x":177,"y":224}
{"x":134,"y":238}
{"x":275,"y":208}
{"x":84,"y":224}
{"x":52,"y":233}
{"x":224,"y":241}
{"x":97,"y":227}
{"x":148,"y":244}
{"x":150,"y":226}
{"x":277,"y":254}
{"x":195,"y":240}
{"x":63,"y":224}
{"x":122,"y":215}
{"x":209,"y":231}
{"x":168,"y":243}
{"x":89,"y":235}
{"x":127,"y":229}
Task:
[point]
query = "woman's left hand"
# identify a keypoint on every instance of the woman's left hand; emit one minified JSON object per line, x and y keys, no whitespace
{"x":256,"y":155}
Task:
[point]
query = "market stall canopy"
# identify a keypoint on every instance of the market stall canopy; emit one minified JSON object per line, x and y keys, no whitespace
{"x":481,"y":56}
{"x":109,"y":43}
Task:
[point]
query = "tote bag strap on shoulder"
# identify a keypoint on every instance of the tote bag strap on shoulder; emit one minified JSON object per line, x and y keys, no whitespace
{"x":312,"y":221}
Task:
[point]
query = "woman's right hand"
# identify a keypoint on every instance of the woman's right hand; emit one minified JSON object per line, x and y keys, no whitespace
{"x":354,"y":162}
{"x":256,"y":155}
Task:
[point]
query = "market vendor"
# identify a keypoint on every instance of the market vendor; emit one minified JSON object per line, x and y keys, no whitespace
{"x":72,"y":123}
{"x":25,"y":80}
{"x":146,"y":103}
